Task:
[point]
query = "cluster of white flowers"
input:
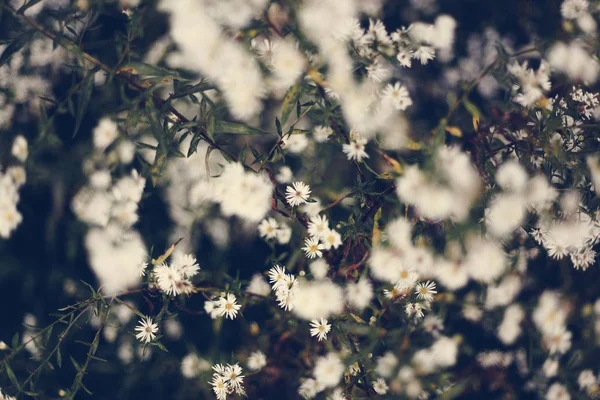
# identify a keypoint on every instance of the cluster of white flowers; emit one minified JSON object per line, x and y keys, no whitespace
{"x":447,"y":192}
{"x":234,"y":184}
{"x":575,"y":61}
{"x":176,"y":277}
{"x":224,"y":306}
{"x":284,"y":285}
{"x":10,"y":182}
{"x":227,"y":379}
{"x":321,"y":237}
{"x":223,"y":60}
{"x":189,"y":191}
{"x":115,"y":249}
{"x":550,"y":317}
{"x":270,"y":228}
{"x":531,"y":85}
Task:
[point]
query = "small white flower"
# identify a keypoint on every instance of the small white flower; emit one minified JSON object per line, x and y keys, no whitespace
{"x":318,"y":225}
{"x":268,"y":228}
{"x":398,"y":96}
{"x":355,"y":150}
{"x":380,"y":386}
{"x":313,"y":248}
{"x":228,"y":306}
{"x":19,"y":148}
{"x":146,"y":330}
{"x":256,"y":360}
{"x":321,"y":133}
{"x":331,"y":238}
{"x":142,"y":268}
{"x":425,"y":291}
{"x":320,"y":329}
{"x":297,"y":194}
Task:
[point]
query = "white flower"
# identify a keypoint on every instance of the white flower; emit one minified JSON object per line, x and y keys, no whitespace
{"x":318,"y":226}
{"x":586,"y":379}
{"x":331,"y":239}
{"x":424,"y":54}
{"x":277,"y":276}
{"x":550,"y":367}
{"x":319,"y":268}
{"x":268,"y":228}
{"x":234,"y":184}
{"x":321,"y":133}
{"x":386,"y":364}
{"x":312,"y":247}
{"x":146,"y":330}
{"x":380,"y":387}
{"x":297,"y":194}
{"x":105,"y":133}
{"x":220,"y":387}
{"x":355,"y":150}
{"x":168,"y":278}
{"x":359,"y":294}
{"x":285,"y":175}
{"x":329,"y":370}
{"x":228,"y":306}
{"x":256,"y":360}
{"x":20,"y":148}
{"x":258,"y":286}
{"x":426,"y":291}
{"x":397,"y":95}
{"x":320,"y":329}
{"x":557,"y":392}
{"x":192,"y":365}
{"x":142,"y":268}
{"x":284,"y":234}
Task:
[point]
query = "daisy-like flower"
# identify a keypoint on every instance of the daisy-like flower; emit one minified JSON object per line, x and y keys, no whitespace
{"x":168,"y":279}
{"x":321,"y":133}
{"x":228,"y":306}
{"x":331,"y":238}
{"x":397,"y":292}
{"x":426,"y":290}
{"x":320,"y":329}
{"x":356,"y":149}
{"x":268,"y":228}
{"x":398,"y":96}
{"x":318,"y":225}
{"x":186,"y":264}
{"x":312,"y":247}
{"x":142,"y":268}
{"x":220,"y":387}
{"x":146,"y":330}
{"x":234,"y":378}
{"x":277,"y":276}
{"x":380,"y":387}
{"x":424,"y":54}
{"x":297,"y":194}
{"x":256,"y":360}
{"x":404,"y":57}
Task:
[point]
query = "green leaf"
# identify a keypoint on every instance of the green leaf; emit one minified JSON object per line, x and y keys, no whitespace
{"x":141,"y":68}
{"x":85,"y":94}
{"x":237,"y":129}
{"x":211,"y":125}
{"x":11,"y":375}
{"x":289,"y":101}
{"x":58,"y":358}
{"x":278,"y":126}
{"x":15,"y":45}
{"x":75,"y":364}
